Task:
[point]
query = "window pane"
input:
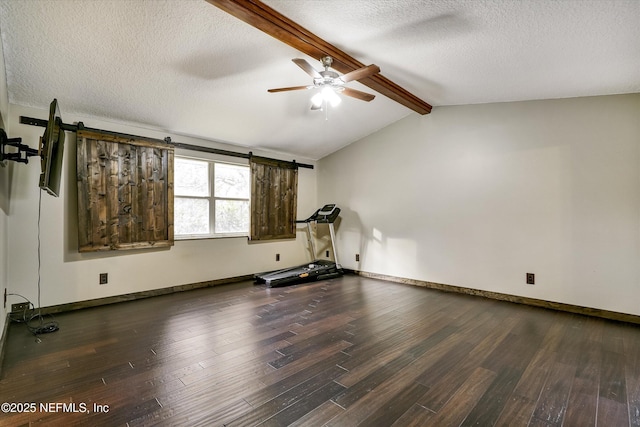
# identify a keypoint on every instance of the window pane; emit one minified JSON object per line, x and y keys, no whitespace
{"x":232,"y":216}
{"x":191,"y":216}
{"x":232,"y":181}
{"x":191,"y":178}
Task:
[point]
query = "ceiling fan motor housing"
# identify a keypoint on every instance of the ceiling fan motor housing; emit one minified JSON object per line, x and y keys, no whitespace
{"x":329,"y":78}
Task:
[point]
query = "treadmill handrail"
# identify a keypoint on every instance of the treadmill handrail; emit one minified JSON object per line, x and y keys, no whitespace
{"x":326,"y":214}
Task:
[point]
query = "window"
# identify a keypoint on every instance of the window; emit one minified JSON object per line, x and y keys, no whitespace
{"x":211,"y":198}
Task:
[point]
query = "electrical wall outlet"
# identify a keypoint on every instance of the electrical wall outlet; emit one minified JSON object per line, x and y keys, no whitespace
{"x":19,"y":307}
{"x":104,"y":278}
{"x":357,"y":257}
{"x":327,"y":254}
{"x":277,"y":257}
{"x":531,"y":279}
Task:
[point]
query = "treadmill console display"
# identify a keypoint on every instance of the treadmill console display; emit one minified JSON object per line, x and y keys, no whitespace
{"x":326,"y":214}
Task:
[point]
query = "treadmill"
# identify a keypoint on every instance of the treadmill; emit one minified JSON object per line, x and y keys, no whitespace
{"x":318,"y":269}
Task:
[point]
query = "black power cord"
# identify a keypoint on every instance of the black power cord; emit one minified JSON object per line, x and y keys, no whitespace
{"x":31,"y":316}
{"x":33,"y":319}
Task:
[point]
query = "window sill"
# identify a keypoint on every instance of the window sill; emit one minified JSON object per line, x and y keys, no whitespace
{"x":209,"y":236}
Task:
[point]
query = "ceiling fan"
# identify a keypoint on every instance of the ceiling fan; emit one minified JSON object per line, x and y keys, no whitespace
{"x":331,"y":83}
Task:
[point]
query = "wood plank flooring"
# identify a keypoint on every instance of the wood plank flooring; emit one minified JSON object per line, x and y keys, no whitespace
{"x":345,"y":352}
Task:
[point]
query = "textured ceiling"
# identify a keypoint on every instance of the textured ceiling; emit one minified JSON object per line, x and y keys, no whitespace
{"x":189,"y":68}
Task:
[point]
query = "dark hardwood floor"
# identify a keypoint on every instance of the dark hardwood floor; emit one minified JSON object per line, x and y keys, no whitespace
{"x":346,"y":352}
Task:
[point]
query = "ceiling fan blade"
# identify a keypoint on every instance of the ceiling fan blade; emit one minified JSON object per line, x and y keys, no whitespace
{"x":308,"y":68}
{"x":363,"y":96}
{"x":361,"y":73}
{"x":284,"y":89}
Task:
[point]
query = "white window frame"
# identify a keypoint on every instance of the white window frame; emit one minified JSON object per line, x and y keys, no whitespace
{"x":212,"y":201}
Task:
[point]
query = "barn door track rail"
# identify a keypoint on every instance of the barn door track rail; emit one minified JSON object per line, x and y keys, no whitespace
{"x":80,"y":126}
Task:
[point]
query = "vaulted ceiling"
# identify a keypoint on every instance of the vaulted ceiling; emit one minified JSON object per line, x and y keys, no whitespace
{"x":189,"y":68}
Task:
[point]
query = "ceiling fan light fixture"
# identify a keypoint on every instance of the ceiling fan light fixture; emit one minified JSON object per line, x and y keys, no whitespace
{"x":317,"y":100}
{"x":326,"y":95}
{"x":330,"y":95}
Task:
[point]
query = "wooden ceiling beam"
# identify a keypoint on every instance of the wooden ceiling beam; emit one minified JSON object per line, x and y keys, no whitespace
{"x":264,"y":18}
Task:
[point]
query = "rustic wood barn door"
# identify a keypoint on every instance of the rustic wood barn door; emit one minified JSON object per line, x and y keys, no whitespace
{"x":274,"y":193}
{"x":125,"y":193}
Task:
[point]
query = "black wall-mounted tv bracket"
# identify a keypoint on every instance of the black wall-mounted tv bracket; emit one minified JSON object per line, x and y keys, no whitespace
{"x":23,"y":153}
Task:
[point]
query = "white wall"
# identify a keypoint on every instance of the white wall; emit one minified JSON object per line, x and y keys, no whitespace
{"x":69,"y":276}
{"x":4,"y":191}
{"x":477,"y":196}
{"x":4,"y":239}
